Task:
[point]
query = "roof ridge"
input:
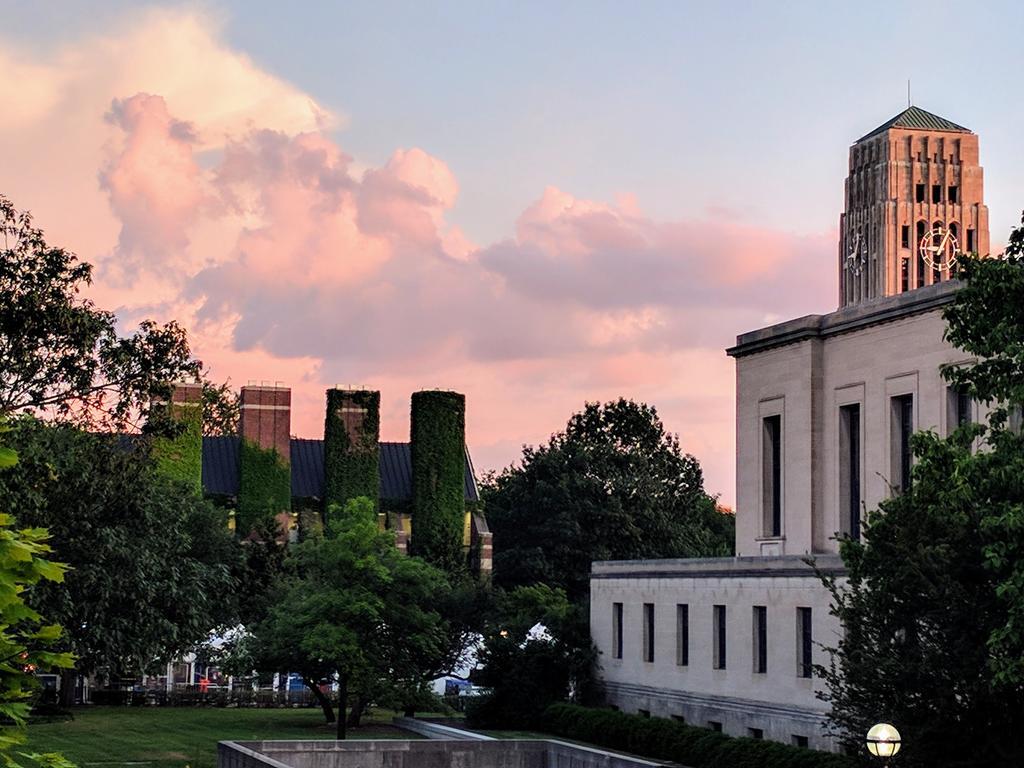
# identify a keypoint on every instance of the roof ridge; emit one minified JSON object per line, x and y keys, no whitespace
{"x":915,"y":117}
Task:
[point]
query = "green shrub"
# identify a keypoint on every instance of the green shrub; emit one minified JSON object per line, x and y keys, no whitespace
{"x":688,"y":745}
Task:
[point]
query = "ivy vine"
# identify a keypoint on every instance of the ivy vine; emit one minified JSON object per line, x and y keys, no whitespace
{"x":438,"y":429}
{"x":264,"y":485}
{"x":351,"y":462}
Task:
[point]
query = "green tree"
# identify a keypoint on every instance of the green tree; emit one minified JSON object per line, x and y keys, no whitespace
{"x":613,"y":485}
{"x":536,"y":652}
{"x":933,"y":609}
{"x":61,"y":355}
{"x":151,"y":561}
{"x":26,"y":643}
{"x":352,"y":606}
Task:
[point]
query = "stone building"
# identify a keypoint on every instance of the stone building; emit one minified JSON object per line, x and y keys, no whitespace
{"x":825,"y":406}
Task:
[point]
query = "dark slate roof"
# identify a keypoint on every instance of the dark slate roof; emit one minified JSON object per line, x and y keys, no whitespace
{"x":220,"y":469}
{"x":915,"y":117}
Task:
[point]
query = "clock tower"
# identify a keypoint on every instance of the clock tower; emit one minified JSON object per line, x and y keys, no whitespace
{"x":914,"y":201}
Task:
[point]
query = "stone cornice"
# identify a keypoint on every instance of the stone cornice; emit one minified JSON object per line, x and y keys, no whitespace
{"x":852,"y":318}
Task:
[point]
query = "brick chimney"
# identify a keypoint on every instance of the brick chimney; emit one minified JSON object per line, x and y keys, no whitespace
{"x":185,"y":394}
{"x":179,"y":453}
{"x":266,"y":418}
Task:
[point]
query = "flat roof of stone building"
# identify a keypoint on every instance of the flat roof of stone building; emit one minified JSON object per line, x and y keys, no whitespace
{"x":873,"y":312}
{"x":718,"y":567}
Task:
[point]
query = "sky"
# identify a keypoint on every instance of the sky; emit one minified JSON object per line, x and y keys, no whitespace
{"x":536,"y":204}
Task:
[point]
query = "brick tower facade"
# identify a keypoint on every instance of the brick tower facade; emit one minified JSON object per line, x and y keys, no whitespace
{"x":913,"y":179}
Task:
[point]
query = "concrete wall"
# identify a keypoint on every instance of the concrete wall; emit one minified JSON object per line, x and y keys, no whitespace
{"x":512,"y":753}
{"x":779,"y":702}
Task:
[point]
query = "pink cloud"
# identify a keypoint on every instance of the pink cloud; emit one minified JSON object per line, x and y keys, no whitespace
{"x":153,"y":183}
{"x":291,"y":262}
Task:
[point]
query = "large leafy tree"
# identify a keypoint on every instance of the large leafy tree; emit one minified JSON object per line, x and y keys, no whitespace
{"x":351,"y":606}
{"x":536,"y":651}
{"x":151,"y":562}
{"x":26,"y":642}
{"x":933,"y":609}
{"x":612,"y":485}
{"x":62,"y":357}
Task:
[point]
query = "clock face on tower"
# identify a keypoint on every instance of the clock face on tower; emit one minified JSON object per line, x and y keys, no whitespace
{"x":939,"y":247}
{"x":857,"y":256}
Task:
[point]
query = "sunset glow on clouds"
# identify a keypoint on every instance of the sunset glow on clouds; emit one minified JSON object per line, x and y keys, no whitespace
{"x":206,"y":190}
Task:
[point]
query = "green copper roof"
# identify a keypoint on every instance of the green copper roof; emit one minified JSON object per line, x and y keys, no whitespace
{"x":915,"y":117}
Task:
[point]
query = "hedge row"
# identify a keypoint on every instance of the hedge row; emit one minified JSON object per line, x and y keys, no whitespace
{"x":351,"y":461}
{"x":688,"y":745}
{"x":438,"y":427}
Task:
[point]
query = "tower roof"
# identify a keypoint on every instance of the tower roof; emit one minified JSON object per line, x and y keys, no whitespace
{"x":915,"y":117}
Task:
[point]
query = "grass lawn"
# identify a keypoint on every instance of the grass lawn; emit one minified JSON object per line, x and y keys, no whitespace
{"x":173,"y":737}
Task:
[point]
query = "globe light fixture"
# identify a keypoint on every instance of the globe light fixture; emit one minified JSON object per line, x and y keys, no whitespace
{"x":883,"y":741}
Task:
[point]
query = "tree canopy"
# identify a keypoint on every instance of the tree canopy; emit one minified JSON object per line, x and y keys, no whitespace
{"x":536,"y":651}
{"x":26,"y":642}
{"x":612,"y":485}
{"x":151,"y":562}
{"x":62,"y":357}
{"x":934,"y":606}
{"x":351,"y":606}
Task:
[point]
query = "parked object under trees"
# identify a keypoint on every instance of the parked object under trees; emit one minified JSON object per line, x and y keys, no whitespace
{"x":934,"y":605}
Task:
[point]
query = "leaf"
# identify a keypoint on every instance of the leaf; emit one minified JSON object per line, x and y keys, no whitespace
{"x":8,"y":457}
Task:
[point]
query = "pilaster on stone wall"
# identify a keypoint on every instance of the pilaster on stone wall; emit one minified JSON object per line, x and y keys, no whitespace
{"x":351,"y":448}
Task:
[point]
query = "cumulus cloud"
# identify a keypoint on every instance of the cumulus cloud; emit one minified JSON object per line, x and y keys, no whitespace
{"x":213,"y":192}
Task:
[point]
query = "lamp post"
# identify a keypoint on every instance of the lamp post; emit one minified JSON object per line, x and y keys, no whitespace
{"x":883,"y":741}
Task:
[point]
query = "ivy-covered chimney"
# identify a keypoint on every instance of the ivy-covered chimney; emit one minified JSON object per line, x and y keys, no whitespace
{"x":265,"y":479}
{"x":177,"y":447}
{"x":351,"y":448}
{"x":438,"y":436}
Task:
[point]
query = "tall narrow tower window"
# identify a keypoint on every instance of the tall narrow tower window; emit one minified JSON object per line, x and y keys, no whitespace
{"x":648,"y":632}
{"x":952,"y":194}
{"x":771,"y":475}
{"x":919,"y":193}
{"x":936,"y":193}
{"x":804,"y":642}
{"x":905,"y":236}
{"x":849,"y":468}
{"x":902,"y":427}
{"x":760,"y":645}
{"x":719,"y":636}
{"x":616,"y":630}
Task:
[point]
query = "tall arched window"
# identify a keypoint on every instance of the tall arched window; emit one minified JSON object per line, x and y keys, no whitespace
{"x":939,"y":256}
